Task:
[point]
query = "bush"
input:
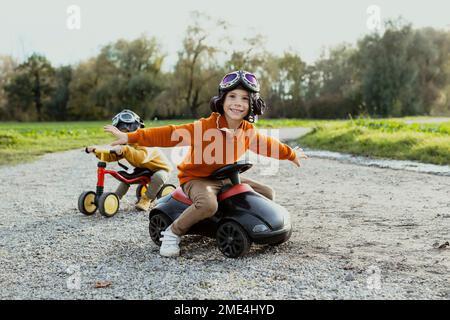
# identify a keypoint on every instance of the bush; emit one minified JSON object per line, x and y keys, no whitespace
{"x":332,"y":107}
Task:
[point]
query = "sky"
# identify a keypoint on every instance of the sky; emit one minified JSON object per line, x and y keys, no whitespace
{"x":306,"y":27}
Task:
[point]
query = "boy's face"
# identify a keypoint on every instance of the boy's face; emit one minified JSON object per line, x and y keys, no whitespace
{"x":236,"y":104}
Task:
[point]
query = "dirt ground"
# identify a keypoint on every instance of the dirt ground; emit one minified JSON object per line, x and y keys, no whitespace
{"x":359,"y":233}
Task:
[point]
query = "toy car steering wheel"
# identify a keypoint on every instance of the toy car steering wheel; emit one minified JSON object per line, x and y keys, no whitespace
{"x":231,"y":171}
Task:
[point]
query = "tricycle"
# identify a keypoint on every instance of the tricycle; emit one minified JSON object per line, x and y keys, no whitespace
{"x":108,"y":202}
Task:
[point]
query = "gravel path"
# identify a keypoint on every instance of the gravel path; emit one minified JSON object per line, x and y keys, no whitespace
{"x":359,"y":233}
{"x":432,"y":120}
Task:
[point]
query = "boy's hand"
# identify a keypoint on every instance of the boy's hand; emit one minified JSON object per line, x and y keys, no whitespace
{"x":89,"y":149}
{"x":300,"y":155}
{"x":117,"y":150}
{"x":122,"y":137}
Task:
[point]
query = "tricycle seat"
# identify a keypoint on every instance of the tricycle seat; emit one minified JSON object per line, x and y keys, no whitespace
{"x":138,"y":172}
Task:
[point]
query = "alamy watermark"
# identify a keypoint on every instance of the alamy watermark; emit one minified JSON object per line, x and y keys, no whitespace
{"x":211,"y":146}
{"x":373,"y":278}
{"x":73,"y":282}
{"x":73,"y":21}
{"x":373,"y":21}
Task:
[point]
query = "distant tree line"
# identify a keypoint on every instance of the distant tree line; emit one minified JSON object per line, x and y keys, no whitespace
{"x":401,"y":72}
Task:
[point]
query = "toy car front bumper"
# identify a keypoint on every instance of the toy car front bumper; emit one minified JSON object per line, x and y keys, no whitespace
{"x":271,"y":237}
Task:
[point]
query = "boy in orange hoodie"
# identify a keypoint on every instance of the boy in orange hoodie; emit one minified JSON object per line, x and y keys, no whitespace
{"x":214,"y":142}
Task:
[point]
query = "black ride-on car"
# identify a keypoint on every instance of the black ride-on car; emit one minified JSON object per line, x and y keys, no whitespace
{"x":243,"y":216}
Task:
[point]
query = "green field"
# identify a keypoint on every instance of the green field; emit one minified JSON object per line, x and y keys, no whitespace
{"x":20,"y":142}
{"x":394,"y":139}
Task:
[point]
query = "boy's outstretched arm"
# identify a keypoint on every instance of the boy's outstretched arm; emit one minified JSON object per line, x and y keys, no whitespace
{"x":166,"y":136}
{"x":272,"y":147}
{"x":133,"y":155}
{"x":108,"y":157}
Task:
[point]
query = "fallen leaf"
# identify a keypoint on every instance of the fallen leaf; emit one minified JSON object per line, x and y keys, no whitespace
{"x":102,"y":284}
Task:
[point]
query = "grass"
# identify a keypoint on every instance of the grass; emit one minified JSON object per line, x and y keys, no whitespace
{"x":394,"y":139}
{"x":20,"y":142}
{"x":286,"y":123}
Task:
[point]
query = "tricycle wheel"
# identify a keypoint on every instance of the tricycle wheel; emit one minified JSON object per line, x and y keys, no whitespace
{"x":158,"y":222}
{"x":86,"y":203}
{"x":232,"y":240}
{"x":165,"y":190}
{"x":108,"y":204}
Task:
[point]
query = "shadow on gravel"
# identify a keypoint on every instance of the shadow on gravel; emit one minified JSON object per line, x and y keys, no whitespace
{"x":195,"y":244}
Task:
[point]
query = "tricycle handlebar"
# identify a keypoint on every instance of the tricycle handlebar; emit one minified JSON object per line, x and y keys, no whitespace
{"x":101,"y":151}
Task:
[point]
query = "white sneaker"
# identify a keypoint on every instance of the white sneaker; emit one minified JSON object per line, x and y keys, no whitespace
{"x":169,"y":243}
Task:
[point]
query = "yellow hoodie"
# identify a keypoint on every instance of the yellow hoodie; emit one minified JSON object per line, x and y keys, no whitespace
{"x":141,"y":157}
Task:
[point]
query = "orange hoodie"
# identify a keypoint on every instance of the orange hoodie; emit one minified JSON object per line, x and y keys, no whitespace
{"x":212,"y":144}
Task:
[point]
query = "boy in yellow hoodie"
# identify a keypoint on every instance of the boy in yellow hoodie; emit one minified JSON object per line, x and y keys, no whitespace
{"x":140,"y":157}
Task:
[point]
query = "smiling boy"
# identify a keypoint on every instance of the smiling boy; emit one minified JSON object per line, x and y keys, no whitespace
{"x":234,"y":110}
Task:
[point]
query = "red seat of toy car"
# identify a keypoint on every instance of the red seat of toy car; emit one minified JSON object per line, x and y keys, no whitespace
{"x":179,"y":195}
{"x":234,"y":190}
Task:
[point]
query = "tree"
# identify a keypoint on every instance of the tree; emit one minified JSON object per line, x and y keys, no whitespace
{"x":196,"y":71}
{"x":334,"y":88}
{"x":389,"y":73}
{"x":82,"y":104}
{"x":404,"y":71}
{"x":129,"y":75}
{"x":126,"y":74}
{"x":251,"y":57}
{"x":58,"y":106}
{"x":32,"y":84}
{"x":430,"y":51}
{"x":286,"y":90}
{"x":7,"y":66}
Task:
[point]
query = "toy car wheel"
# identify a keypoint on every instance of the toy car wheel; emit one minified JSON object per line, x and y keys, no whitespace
{"x":86,"y":203}
{"x":108,"y":204}
{"x":158,"y":222}
{"x":140,"y":190}
{"x":232,"y":240}
{"x":165,"y":190}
